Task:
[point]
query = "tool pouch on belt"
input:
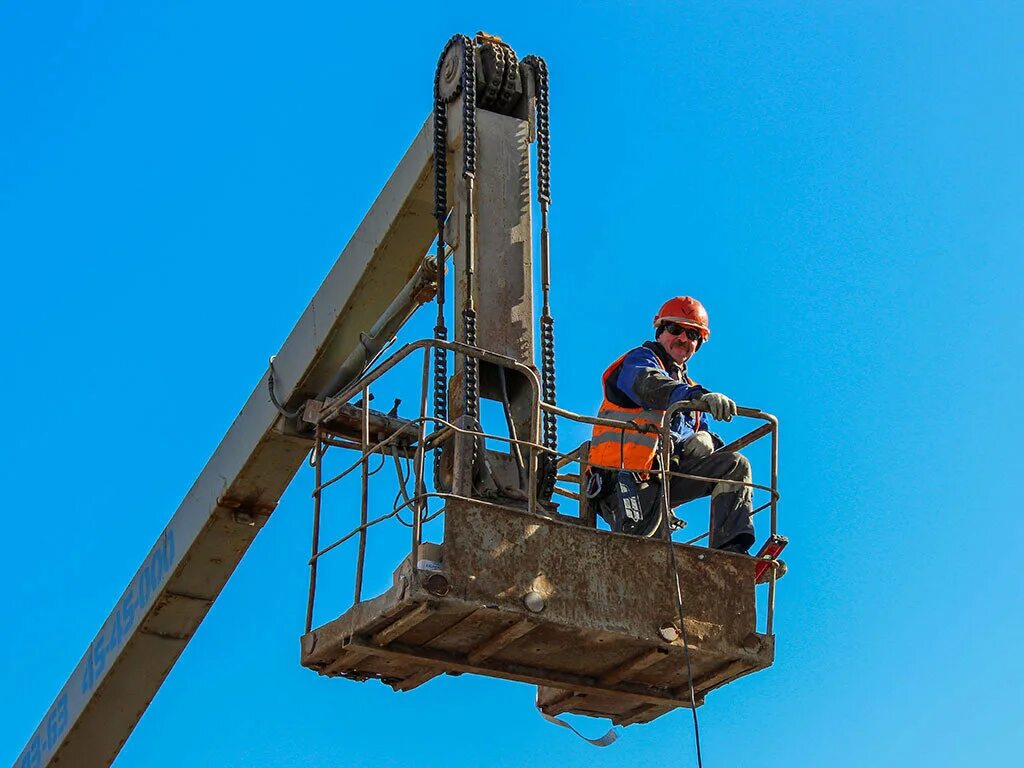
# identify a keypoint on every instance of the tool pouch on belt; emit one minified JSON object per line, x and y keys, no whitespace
{"x":616,"y":495}
{"x":639,"y":504}
{"x":629,"y":512}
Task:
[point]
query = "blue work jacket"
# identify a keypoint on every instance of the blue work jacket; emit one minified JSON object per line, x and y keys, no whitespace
{"x":649,"y":356}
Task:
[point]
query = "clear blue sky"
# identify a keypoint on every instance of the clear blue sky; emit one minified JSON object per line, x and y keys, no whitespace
{"x":839,"y":183}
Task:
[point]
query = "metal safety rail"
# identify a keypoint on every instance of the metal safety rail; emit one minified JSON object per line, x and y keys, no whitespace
{"x":413,"y":441}
{"x":769,"y":428}
{"x":424,"y":442}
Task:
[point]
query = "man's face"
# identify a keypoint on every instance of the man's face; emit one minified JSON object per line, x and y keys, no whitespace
{"x":678,"y":345}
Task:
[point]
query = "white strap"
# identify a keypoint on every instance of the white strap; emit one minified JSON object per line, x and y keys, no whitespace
{"x":602,"y":741}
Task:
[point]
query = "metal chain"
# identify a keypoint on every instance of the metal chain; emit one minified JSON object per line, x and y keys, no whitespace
{"x":508,"y":83}
{"x":467,"y":86}
{"x":470,"y":364}
{"x":540,"y":68}
{"x":547,"y":321}
{"x":499,"y":90}
{"x":489,"y":96}
{"x":440,"y":214}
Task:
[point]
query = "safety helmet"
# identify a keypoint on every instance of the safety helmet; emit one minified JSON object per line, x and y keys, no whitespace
{"x":687,"y":311}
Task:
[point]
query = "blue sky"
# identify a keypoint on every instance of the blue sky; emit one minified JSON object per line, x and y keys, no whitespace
{"x":841,"y":186}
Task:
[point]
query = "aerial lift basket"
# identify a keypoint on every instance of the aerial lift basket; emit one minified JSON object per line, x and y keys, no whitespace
{"x":528,"y":594}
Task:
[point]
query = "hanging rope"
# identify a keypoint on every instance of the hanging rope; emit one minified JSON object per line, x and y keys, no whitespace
{"x":682,"y":623}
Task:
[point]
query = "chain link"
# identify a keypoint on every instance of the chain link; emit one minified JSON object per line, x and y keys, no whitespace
{"x":499,"y":90}
{"x":470,"y":364}
{"x":509,"y":81}
{"x":540,"y":69}
{"x":547,"y":322}
{"x":440,"y":368}
{"x":547,"y":468}
{"x":467,"y":87}
{"x":491,"y":88}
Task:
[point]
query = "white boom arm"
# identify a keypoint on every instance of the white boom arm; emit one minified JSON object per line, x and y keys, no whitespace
{"x":162,"y":607}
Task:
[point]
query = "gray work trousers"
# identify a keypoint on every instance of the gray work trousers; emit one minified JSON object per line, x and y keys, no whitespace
{"x":731,"y":504}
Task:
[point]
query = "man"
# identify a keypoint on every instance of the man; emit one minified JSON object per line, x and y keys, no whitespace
{"x":639,"y":387}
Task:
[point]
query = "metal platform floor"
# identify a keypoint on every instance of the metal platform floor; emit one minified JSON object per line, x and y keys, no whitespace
{"x":604,"y":642}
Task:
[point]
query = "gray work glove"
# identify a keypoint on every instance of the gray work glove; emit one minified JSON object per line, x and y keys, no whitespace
{"x":719,"y":406}
{"x":698,"y":445}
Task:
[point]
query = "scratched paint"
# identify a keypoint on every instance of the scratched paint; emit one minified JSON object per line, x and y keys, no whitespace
{"x":128,"y":612}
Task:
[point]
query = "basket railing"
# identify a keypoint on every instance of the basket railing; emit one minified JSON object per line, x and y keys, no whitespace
{"x":413,"y":439}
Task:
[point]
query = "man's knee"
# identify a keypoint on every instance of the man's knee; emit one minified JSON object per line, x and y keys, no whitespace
{"x":741,"y":468}
{"x":736,"y":475}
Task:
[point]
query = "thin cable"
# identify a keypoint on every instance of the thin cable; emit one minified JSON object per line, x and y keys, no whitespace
{"x":686,"y":646}
{"x":383,"y":461}
{"x":273,"y":397}
{"x":403,"y":492}
{"x":666,"y":507}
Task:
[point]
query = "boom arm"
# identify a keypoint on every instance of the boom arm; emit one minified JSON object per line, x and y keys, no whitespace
{"x":233,"y":497}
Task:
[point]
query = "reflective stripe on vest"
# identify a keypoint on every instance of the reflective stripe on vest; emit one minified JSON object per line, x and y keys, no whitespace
{"x":626,"y":448}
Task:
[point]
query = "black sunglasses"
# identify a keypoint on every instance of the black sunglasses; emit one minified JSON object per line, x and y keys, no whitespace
{"x":675,"y":329}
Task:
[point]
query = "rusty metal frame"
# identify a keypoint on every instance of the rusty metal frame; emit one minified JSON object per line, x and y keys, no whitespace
{"x":419,"y":498}
{"x":444,"y":430}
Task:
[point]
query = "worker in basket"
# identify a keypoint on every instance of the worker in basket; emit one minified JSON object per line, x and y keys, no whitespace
{"x":639,"y":387}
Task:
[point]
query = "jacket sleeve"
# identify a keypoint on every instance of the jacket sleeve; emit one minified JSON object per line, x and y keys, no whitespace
{"x":647,"y":384}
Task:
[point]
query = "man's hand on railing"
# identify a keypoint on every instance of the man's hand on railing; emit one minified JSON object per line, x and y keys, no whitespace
{"x":719,"y":406}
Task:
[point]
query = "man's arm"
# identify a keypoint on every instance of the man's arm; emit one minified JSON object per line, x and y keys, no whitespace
{"x":645,"y":383}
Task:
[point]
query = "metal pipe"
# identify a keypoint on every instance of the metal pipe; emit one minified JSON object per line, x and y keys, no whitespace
{"x":708,"y":533}
{"x":319,"y":453}
{"x":773,"y":490}
{"x":545,"y":259}
{"x":470,"y":246}
{"x":682,"y":405}
{"x":469,"y":351}
{"x":347,"y":420}
{"x":406,"y":452}
{"x":360,"y":529}
{"x":511,"y":423}
{"x":775,"y":473}
{"x":531,"y":483}
{"x":327,"y":413}
{"x":449,"y":429}
{"x":742,"y":442}
{"x":420,"y":499}
{"x":570,"y":457}
{"x":418,"y":291}
{"x":420,"y":482}
{"x":666,"y":503}
{"x":365,"y":495}
{"x":436,"y":437}
{"x":377,"y":448}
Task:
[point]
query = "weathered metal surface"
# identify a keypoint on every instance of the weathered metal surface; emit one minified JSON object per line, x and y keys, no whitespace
{"x":605,"y":599}
{"x":122,"y":669}
{"x":503,"y":281}
{"x":504,"y":261}
{"x":347,"y":422}
{"x":596,"y":580}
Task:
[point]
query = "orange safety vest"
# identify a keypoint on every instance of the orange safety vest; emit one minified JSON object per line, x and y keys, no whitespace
{"x":627,"y":448}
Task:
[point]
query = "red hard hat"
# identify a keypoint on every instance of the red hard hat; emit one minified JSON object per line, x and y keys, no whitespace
{"x":687,"y":311}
